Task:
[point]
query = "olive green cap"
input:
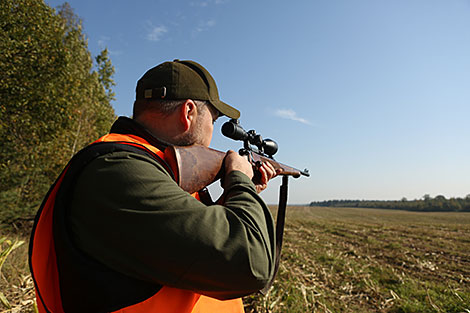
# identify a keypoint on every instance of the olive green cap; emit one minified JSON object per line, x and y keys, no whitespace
{"x":181,"y":80}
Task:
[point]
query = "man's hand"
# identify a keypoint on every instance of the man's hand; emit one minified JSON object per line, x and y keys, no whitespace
{"x":267,"y":172}
{"x":236,"y":162}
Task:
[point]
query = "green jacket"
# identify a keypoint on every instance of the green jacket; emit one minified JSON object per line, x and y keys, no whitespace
{"x":129,"y":214}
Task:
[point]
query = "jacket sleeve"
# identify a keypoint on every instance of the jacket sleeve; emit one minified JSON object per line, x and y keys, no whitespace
{"x":129,"y":214}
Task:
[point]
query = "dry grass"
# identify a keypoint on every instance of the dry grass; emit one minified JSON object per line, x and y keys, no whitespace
{"x":16,"y":285}
{"x":365,"y":260}
{"x":337,"y":260}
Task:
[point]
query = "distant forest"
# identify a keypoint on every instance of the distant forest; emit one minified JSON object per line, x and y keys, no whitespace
{"x":427,"y":204}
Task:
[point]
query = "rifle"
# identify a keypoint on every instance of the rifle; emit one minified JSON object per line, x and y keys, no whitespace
{"x":198,"y":166}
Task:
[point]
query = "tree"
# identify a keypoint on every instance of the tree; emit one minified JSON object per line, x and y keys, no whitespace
{"x":105,"y":73}
{"x":52,"y":101}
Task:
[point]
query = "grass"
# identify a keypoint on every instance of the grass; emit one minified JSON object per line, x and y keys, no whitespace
{"x":16,"y":284}
{"x":366,"y":260}
{"x":336,"y":260}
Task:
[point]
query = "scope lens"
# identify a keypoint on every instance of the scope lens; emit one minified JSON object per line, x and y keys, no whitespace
{"x":233,"y":131}
{"x":270,"y":147}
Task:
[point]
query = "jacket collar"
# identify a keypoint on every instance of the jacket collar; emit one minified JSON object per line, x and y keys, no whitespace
{"x":127,"y":126}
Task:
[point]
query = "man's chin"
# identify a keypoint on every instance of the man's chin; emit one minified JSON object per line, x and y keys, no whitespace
{"x":185,"y":141}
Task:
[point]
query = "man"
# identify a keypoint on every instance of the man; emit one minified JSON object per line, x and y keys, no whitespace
{"x":117,"y":234}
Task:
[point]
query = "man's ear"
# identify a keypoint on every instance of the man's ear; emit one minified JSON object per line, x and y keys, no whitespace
{"x":188,"y":114}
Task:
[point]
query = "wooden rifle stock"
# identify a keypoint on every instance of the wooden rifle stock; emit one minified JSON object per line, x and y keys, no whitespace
{"x":198,"y":166}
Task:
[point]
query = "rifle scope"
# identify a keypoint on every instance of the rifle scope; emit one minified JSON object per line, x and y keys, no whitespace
{"x":233,"y":130}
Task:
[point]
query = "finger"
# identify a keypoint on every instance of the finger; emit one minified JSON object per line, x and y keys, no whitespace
{"x":260,"y":188}
{"x":269,"y":166}
{"x":264,"y":174}
{"x":270,"y":171}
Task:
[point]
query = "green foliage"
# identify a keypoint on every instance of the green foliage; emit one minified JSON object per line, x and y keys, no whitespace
{"x":53,"y":103}
{"x":105,"y":73}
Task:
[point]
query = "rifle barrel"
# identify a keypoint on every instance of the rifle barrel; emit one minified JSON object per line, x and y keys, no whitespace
{"x":286,"y":169}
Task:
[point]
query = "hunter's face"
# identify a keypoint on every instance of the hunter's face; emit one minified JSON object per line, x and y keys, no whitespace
{"x":205,"y":124}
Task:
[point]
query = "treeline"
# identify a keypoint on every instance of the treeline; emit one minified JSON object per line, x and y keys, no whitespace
{"x":54,"y":99}
{"x":427,"y":204}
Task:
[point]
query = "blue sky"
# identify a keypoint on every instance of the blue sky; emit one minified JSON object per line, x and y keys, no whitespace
{"x":372,"y":96}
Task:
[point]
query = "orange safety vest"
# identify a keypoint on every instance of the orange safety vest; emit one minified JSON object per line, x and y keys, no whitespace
{"x":45,"y":270}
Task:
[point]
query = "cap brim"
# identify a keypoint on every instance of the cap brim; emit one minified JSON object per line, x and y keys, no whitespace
{"x":225,"y":109}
